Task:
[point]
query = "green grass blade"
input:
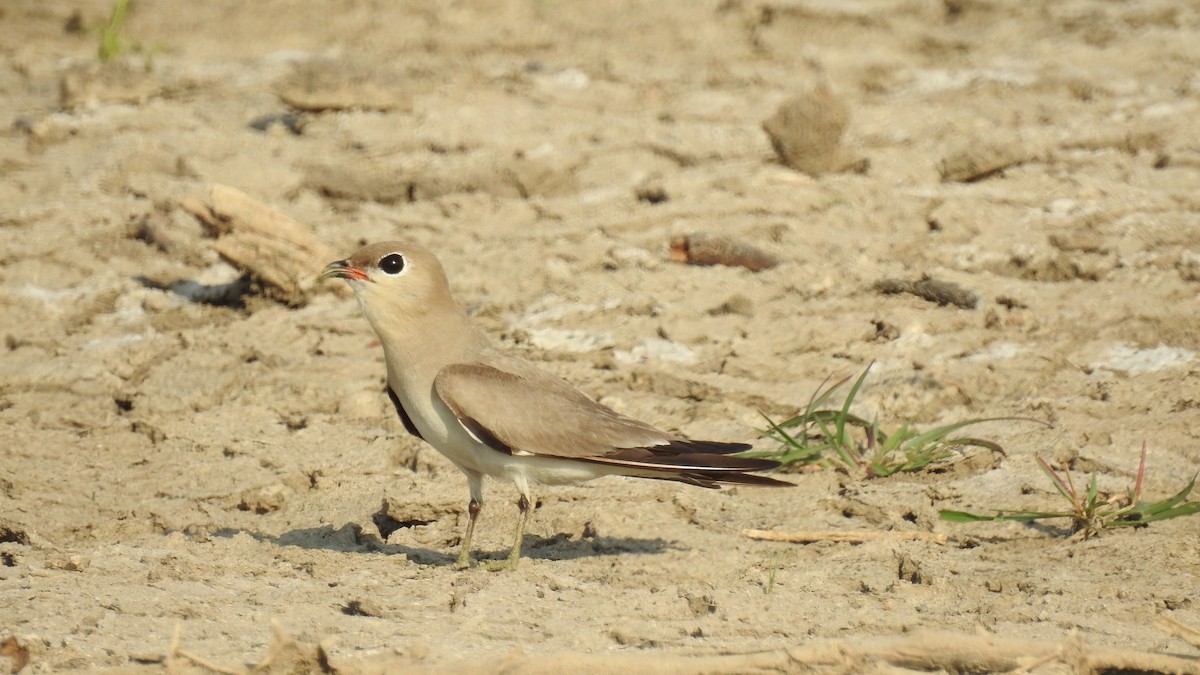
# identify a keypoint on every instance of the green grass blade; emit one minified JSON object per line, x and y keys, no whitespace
{"x":1134,"y":518}
{"x":783,"y":436}
{"x":975,"y":442}
{"x":850,"y":398}
{"x":794,"y":452}
{"x":920,"y":460}
{"x":1020,"y":516}
{"x":780,"y":433}
{"x":799,"y":420}
{"x":1183,"y":494}
{"x":1181,"y":510}
{"x":110,"y":34}
{"x":1153,"y":508}
{"x":831,"y":416}
{"x":844,"y":452}
{"x":1062,"y":487}
{"x":963,"y":517}
{"x":819,"y":398}
{"x":899,"y":437}
{"x":940,"y":433}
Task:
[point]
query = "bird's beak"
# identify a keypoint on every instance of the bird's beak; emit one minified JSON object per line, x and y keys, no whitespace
{"x":340,"y":269}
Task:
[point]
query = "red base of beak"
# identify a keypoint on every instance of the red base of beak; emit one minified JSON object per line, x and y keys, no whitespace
{"x":343,"y":270}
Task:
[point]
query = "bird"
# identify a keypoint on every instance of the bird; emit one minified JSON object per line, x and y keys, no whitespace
{"x":495,"y":414}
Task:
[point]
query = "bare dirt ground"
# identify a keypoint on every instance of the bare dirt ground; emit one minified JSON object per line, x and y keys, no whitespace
{"x":178,"y":478}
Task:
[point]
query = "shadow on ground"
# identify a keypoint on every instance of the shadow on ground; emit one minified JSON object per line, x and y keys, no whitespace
{"x":350,"y":538}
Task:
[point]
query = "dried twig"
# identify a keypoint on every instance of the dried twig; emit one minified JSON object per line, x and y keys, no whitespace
{"x":809,"y":537}
{"x":1179,"y":629}
{"x":920,"y":651}
{"x":174,"y":653}
{"x":283,"y":254}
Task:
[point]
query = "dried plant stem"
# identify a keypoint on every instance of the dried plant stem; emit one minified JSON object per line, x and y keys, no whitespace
{"x":1179,"y":629}
{"x":812,"y":536}
{"x":174,"y":653}
{"x":919,"y":652}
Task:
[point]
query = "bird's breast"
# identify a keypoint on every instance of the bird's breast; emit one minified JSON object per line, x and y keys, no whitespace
{"x":440,"y":428}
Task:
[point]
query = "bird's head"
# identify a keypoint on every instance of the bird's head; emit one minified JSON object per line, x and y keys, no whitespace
{"x":393,"y":280}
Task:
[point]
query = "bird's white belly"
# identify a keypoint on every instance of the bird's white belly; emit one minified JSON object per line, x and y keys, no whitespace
{"x":442,"y":430}
{"x":524,"y":469}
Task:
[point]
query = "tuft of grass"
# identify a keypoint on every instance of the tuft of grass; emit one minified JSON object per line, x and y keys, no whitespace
{"x":112,"y":43}
{"x":110,"y":33}
{"x":835,"y":438}
{"x":1090,"y":511}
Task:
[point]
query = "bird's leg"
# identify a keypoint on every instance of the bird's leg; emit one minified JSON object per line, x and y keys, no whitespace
{"x":514,"y":556}
{"x":464,"y":556}
{"x":475,"y":484}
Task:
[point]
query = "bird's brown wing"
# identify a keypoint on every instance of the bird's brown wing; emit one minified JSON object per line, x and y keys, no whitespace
{"x":535,"y":413}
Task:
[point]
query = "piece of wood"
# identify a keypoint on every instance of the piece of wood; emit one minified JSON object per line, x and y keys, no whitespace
{"x":812,"y":536}
{"x":281,"y":253}
{"x":200,"y":210}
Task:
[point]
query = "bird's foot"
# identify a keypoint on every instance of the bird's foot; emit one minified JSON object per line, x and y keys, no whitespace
{"x":496,"y":565}
{"x":506,"y":565}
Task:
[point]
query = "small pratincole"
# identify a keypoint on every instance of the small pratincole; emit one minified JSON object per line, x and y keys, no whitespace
{"x":493,"y":414}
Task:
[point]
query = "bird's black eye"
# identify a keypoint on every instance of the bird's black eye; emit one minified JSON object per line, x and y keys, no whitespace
{"x":392,"y":263}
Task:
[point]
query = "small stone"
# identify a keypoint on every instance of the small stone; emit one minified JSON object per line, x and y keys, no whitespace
{"x":942,"y":292}
{"x":806,"y":131}
{"x":1189,"y":266}
{"x":629,"y":256}
{"x":264,"y":500}
{"x":734,"y":304}
{"x":363,"y":607}
{"x":978,"y":160}
{"x":651,"y":194}
{"x":75,"y":563}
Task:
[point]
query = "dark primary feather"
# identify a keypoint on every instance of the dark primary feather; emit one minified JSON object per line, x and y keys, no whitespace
{"x":704,"y":463}
{"x":712,"y":480}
